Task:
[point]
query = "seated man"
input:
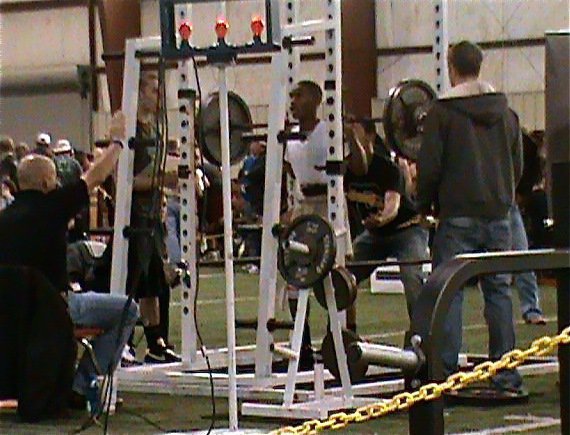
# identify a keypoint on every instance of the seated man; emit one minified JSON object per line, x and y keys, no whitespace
{"x":33,"y":233}
{"x":389,"y":216}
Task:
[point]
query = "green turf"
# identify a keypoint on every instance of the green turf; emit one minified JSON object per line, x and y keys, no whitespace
{"x":376,"y":314}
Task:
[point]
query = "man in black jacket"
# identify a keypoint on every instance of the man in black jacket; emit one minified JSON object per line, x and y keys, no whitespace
{"x":33,"y":233}
{"x":469,"y":165}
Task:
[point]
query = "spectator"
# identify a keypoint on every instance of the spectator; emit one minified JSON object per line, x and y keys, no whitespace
{"x":43,"y":145}
{"x":469,"y":164}
{"x":8,"y":162}
{"x":68,"y":169}
{"x":252,"y":179}
{"x":33,"y":234}
{"x":22,"y":150}
{"x":7,"y":191}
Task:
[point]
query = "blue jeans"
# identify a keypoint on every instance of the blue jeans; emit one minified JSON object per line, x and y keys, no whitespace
{"x":173,"y":230}
{"x":408,"y":244}
{"x":461,"y":235}
{"x":524,"y":282}
{"x":104,"y":311}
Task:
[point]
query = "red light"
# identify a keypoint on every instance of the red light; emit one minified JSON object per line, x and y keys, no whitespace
{"x":257,"y":26}
{"x":222,"y":28}
{"x":185,"y":31}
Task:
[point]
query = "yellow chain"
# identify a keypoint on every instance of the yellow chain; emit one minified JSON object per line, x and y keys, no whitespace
{"x":481,"y":372}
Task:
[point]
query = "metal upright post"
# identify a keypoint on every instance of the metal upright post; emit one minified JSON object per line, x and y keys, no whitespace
{"x":284,"y":68}
{"x":129,"y":107}
{"x":557,"y":69}
{"x":296,"y":343}
{"x":333,"y":118}
{"x":335,"y":162}
{"x":293,"y":66}
{"x":228,"y":247}
{"x":271,"y":209}
{"x":188,"y":205}
{"x":440,"y":45}
{"x":428,"y":417}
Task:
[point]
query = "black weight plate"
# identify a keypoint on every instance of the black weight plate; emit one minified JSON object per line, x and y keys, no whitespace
{"x":305,"y":270}
{"x":345,"y":289}
{"x":405,"y":110}
{"x":240,"y":123}
{"x":485,"y":396}
{"x":356,"y":368}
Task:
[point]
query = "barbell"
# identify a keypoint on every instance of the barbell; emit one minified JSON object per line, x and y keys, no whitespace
{"x":404,"y":113}
{"x":360,"y":355}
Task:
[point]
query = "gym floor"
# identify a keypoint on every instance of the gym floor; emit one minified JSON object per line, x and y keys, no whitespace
{"x":383,"y":316}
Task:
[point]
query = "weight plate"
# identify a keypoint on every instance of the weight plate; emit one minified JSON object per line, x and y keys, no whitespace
{"x":485,"y":396}
{"x":345,"y":289}
{"x":404,"y":113}
{"x":305,"y":269}
{"x":356,"y":368}
{"x":240,"y":123}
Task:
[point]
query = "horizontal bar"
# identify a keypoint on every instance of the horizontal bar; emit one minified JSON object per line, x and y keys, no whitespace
{"x":485,"y":45}
{"x":311,"y":26}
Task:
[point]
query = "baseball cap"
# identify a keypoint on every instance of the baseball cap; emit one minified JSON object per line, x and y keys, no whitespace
{"x":43,"y":139}
{"x":63,"y":146}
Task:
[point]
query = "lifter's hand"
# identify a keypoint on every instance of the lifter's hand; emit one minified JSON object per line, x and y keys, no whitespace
{"x":117,"y":129}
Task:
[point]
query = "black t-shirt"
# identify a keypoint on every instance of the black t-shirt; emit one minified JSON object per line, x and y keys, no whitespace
{"x":33,"y":230}
{"x":383,"y":175}
{"x":143,"y":202}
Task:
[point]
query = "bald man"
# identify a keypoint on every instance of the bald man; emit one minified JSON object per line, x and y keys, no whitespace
{"x":33,"y":233}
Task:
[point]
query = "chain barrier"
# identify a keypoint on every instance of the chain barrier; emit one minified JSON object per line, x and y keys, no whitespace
{"x":402,"y":401}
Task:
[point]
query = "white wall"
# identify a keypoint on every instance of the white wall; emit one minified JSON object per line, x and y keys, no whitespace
{"x":39,"y":53}
{"x":519,"y":72}
{"x":54,"y":41}
{"x":64,"y":115}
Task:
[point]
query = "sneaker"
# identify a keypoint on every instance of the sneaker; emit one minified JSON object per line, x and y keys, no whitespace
{"x":161,"y":355}
{"x":508,"y":381}
{"x":128,"y":357}
{"x":252,"y":269}
{"x":534,"y":318}
{"x":77,"y":401}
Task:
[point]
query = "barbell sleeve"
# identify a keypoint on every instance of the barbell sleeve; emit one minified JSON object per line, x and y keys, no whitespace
{"x":284,"y":351}
{"x":387,"y":356}
{"x":298,"y":247}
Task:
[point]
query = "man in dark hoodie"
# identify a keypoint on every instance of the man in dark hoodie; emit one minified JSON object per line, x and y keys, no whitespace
{"x":469,"y":165}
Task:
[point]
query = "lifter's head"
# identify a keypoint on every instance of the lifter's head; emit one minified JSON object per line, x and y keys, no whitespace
{"x":148,"y":93}
{"x":306,"y":98}
{"x":36,"y":172}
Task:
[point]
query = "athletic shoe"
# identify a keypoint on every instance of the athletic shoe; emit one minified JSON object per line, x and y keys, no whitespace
{"x":161,"y":355}
{"x":128,"y":357}
{"x":534,"y":318}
